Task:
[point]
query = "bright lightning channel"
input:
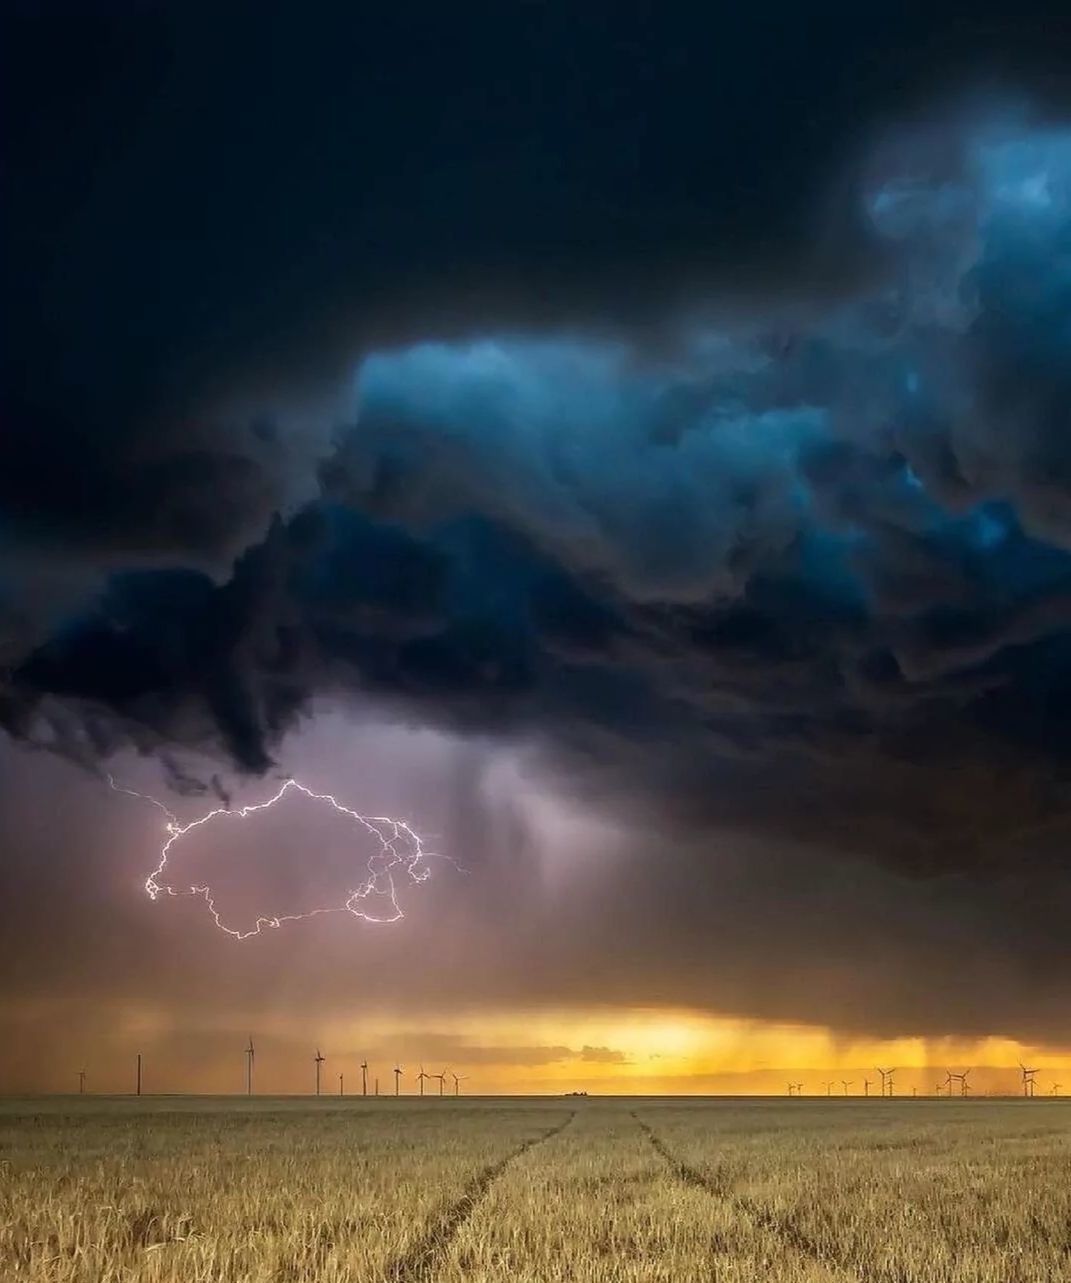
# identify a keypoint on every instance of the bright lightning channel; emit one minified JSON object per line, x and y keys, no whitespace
{"x":401,"y":852}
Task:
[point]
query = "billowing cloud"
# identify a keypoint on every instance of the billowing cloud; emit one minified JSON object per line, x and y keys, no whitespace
{"x":787,"y":576}
{"x":832,"y":550}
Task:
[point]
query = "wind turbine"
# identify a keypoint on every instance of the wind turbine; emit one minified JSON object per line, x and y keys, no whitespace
{"x":964,"y":1085}
{"x":1055,"y":1091}
{"x":340,"y":1091}
{"x":442,"y":1079}
{"x":420,"y":1079}
{"x":250,"y":1055}
{"x":829,"y":1089}
{"x":949,"y":1075}
{"x":364,"y":1077}
{"x":1028,"y":1079}
{"x":866,"y":1086}
{"x":397,"y":1075}
{"x":884,"y":1076}
{"x":81,"y":1082}
{"x":457,"y":1080}
{"x":319,"y":1061}
{"x":846,"y":1085}
{"x":799,"y":1089}
{"x":791,"y":1089}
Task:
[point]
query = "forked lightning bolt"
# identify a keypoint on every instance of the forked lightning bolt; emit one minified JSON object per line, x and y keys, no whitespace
{"x":400,"y":852}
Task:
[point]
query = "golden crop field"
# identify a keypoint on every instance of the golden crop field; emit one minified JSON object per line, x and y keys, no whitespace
{"x":535,"y":1191}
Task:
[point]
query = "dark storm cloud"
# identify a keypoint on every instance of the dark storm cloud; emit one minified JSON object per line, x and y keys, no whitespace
{"x":527,"y":396}
{"x":833,"y":557}
{"x":207,"y":210}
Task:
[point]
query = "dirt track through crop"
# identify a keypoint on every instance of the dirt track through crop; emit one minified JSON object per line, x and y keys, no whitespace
{"x":418,"y":1262}
{"x":789,"y":1234}
{"x":102,"y":1190}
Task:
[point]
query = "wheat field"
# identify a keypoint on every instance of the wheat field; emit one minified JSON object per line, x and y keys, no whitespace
{"x":185,"y":1190}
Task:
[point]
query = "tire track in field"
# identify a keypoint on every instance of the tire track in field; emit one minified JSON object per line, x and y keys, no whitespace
{"x":784,"y":1229}
{"x":431,"y":1247}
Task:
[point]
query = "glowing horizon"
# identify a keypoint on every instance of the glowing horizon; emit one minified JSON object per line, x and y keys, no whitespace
{"x":642,"y":1052}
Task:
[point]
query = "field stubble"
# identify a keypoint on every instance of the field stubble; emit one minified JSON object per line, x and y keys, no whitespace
{"x":515,"y":1191}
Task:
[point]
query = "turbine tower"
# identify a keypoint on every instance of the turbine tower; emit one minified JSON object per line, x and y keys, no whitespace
{"x":81,"y":1082}
{"x":791,"y":1089}
{"x":319,"y":1061}
{"x":397,"y":1075}
{"x":1028,"y":1080}
{"x":364,"y":1077}
{"x":799,"y":1089}
{"x":846,"y":1085}
{"x":457,"y":1081}
{"x":1055,"y":1091}
{"x":420,"y":1079}
{"x":340,"y":1089}
{"x":829,"y":1089}
{"x":250,"y":1056}
{"x":442,"y":1080}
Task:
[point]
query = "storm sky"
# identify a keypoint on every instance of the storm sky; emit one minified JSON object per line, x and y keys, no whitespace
{"x":628,"y":444}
